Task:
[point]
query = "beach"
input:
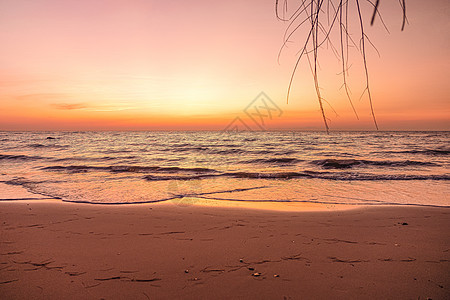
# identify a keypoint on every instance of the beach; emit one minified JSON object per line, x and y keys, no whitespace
{"x":202,"y":215}
{"x":56,"y":250}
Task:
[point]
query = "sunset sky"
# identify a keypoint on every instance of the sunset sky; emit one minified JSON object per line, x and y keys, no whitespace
{"x":163,"y":65}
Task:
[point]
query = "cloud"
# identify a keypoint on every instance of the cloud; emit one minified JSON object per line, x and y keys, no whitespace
{"x":95,"y":108}
{"x":69,"y":106}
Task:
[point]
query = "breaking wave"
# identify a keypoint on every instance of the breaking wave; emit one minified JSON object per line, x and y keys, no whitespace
{"x":344,"y":176}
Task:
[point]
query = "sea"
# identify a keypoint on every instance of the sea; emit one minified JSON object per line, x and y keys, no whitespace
{"x":222,"y":168}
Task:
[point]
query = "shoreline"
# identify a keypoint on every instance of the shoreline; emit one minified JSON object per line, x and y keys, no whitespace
{"x":162,"y":251}
{"x":9,"y":194}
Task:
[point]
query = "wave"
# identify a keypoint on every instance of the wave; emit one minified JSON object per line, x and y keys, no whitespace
{"x":19,"y":157}
{"x":432,"y":152}
{"x":186,"y":149}
{"x":350,"y":163}
{"x":46,"y":146}
{"x":338,"y":176}
{"x":246,"y":175}
{"x":160,"y":169}
{"x":93,"y":158}
{"x":275,"y":175}
{"x":228,"y":151}
{"x":178,"y":177}
{"x":207,"y":150}
{"x":332,"y":153}
{"x":111,"y":151}
{"x":180,"y":173}
{"x":263,"y":152}
{"x":280,"y":160}
{"x":209,"y":195}
{"x":377,"y":177}
{"x":132,"y":169}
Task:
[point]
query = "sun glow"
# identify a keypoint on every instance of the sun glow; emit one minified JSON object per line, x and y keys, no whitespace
{"x":155,"y":62}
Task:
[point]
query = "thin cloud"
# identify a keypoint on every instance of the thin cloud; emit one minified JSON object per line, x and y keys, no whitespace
{"x":112,"y":107}
{"x":69,"y":106}
{"x":91,"y":107}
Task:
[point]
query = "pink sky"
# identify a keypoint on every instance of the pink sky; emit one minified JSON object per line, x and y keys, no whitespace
{"x":87,"y":65}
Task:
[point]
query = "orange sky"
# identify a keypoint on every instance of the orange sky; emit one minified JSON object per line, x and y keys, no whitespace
{"x":174,"y":65}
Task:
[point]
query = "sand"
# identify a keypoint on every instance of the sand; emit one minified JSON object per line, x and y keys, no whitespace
{"x":55,"y":250}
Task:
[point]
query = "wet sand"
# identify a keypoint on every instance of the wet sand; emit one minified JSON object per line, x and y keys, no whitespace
{"x":165,"y":251}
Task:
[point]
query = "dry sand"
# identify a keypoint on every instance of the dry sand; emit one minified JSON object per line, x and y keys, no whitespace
{"x":79,"y":251}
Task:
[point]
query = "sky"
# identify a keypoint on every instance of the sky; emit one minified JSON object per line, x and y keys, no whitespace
{"x":200,"y":65}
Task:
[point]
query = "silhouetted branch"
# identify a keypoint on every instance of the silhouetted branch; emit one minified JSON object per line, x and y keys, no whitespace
{"x":375,"y":11}
{"x":363,"y":51}
{"x":313,"y":12}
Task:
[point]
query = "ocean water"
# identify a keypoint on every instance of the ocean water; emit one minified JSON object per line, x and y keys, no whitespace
{"x":352,"y":168}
